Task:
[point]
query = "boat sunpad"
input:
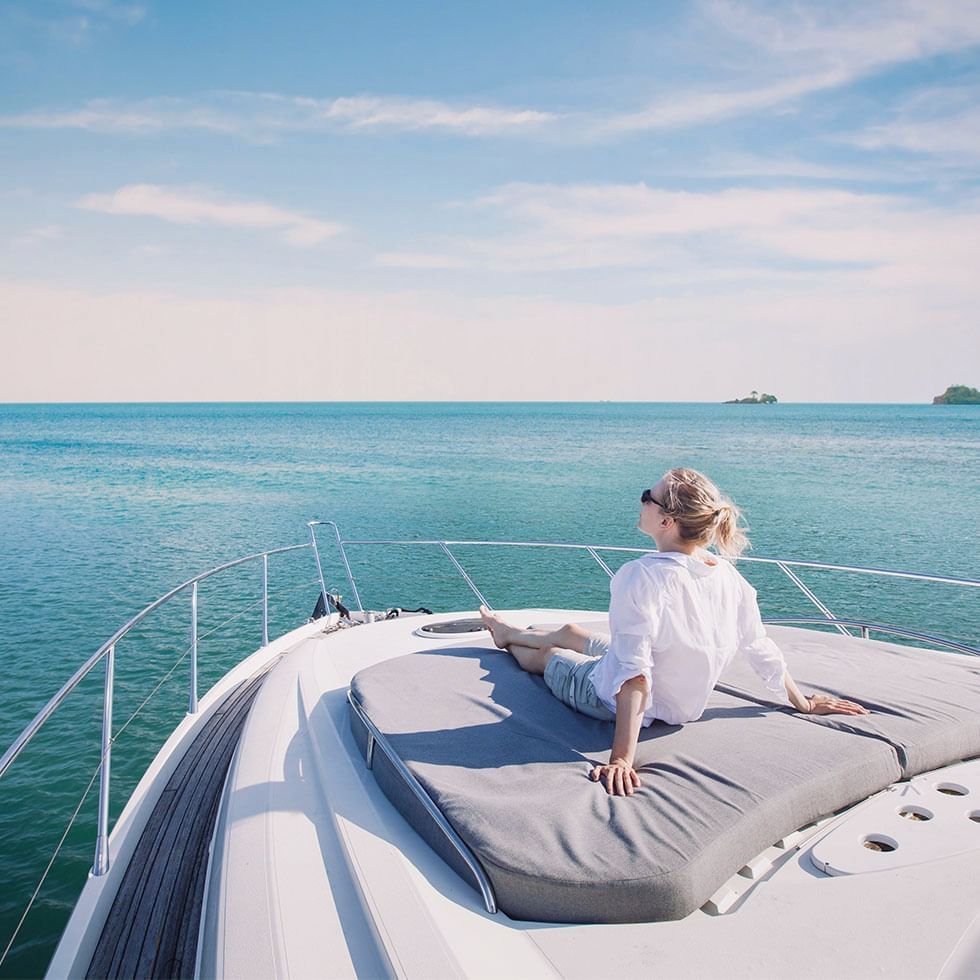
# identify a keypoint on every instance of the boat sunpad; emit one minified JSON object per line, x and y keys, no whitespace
{"x":924,"y":703}
{"x":507,"y":765}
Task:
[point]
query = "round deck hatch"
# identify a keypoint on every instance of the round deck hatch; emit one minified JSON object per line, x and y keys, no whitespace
{"x":452,"y":627}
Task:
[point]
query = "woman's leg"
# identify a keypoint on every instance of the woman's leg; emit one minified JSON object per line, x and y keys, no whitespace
{"x":522,"y":643}
{"x":532,"y":659}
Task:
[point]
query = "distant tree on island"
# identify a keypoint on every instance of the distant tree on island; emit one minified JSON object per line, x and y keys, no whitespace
{"x":754,"y":399}
{"x":958,"y":395}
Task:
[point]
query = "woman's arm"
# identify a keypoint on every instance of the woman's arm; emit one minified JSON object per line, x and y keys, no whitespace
{"x":768,"y":662}
{"x":620,"y":778}
{"x":816,"y":704}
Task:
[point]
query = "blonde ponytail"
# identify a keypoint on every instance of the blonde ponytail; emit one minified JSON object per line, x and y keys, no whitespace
{"x":702,"y":514}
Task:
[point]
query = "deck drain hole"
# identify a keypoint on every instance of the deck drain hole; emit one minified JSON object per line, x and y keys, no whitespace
{"x":916,"y":813}
{"x":879,"y":842}
{"x":975,"y":816}
{"x":952,"y":789}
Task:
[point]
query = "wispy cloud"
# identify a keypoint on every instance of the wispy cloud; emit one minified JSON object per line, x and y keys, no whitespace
{"x":684,"y":236}
{"x":939,"y":123}
{"x":853,"y":38}
{"x":43,"y":233}
{"x":693,"y":108}
{"x":796,"y":50}
{"x":194,"y":207}
{"x":758,"y":58}
{"x":69,"y":22}
{"x":375,"y":113}
{"x":111,"y":10}
{"x":737,"y":165}
{"x":420,"y":260}
{"x":262,"y":115}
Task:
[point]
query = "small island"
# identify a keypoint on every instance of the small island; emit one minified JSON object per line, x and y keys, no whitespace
{"x":754,"y":399}
{"x":958,"y":395}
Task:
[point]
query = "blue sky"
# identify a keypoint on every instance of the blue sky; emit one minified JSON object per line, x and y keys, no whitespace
{"x":648,"y":201}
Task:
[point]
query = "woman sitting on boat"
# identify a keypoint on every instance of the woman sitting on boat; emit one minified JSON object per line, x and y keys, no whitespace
{"x":677,"y":618}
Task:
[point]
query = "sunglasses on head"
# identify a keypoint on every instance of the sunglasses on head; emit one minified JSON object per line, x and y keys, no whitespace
{"x":647,"y":497}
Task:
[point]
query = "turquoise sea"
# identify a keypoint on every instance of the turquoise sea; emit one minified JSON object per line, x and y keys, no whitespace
{"x":105,"y":507}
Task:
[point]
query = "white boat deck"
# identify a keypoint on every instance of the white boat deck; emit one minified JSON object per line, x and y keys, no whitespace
{"x":314,"y":872}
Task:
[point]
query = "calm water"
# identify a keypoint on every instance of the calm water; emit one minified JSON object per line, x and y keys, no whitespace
{"x":103,"y":508}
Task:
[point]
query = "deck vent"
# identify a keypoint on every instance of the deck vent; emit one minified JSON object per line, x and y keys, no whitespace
{"x":916,"y":813}
{"x":452,"y":627}
{"x":911,"y":823}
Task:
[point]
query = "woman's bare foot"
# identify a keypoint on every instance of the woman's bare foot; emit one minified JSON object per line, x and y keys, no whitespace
{"x":499,"y":630}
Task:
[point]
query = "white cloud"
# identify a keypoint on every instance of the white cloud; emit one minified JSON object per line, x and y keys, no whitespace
{"x":677,"y":237}
{"x":123,"y":13}
{"x":763,"y":58}
{"x":941,"y":123}
{"x":43,"y":233}
{"x":738,"y":165}
{"x":262,"y":115}
{"x":138,"y":118}
{"x":854,"y":38}
{"x":376,"y":113}
{"x":695,"y":107}
{"x":420,"y":260}
{"x":799,"y":50}
{"x":70,"y":22}
{"x":192,"y":207}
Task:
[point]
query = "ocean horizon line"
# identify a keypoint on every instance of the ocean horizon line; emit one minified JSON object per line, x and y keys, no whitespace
{"x":429,"y":401}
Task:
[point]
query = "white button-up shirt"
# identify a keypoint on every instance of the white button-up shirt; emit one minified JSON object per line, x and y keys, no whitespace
{"x":679,"y":622}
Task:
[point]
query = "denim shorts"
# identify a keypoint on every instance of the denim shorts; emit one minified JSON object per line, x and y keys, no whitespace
{"x":568,"y":675}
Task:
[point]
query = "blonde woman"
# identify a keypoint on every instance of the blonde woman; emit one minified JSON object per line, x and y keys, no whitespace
{"x":677,"y":618}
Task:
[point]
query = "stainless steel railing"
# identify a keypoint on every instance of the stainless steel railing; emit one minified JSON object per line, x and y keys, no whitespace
{"x":785,"y":565}
{"x":107,"y":653}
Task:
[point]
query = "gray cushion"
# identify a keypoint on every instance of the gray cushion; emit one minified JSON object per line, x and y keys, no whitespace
{"x":925,"y":703}
{"x":508,"y":766}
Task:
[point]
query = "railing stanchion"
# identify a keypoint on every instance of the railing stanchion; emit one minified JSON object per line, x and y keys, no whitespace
{"x":319,"y":567}
{"x":811,"y":595}
{"x":466,"y":578}
{"x":101,"y":864}
{"x":602,"y":564}
{"x":350,"y":574}
{"x":192,"y":705}
{"x":343,"y":558}
{"x":265,"y":600}
{"x":865,"y":633}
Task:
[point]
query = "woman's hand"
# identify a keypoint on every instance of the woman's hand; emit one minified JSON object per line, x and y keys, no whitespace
{"x":824,"y":704}
{"x":820,"y":704}
{"x":619,"y":777}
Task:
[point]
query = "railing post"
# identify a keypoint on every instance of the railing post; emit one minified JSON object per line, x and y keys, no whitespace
{"x":343,"y":556}
{"x":812,"y":596}
{"x":265,"y":600}
{"x":319,"y":567}
{"x":350,"y":574}
{"x":192,"y":705}
{"x":466,"y":578}
{"x":865,"y":633}
{"x":101,"y":865}
{"x":602,"y":564}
